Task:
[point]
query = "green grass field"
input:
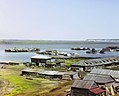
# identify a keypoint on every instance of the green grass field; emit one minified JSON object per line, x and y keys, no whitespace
{"x":19,"y":84}
{"x":69,"y":62}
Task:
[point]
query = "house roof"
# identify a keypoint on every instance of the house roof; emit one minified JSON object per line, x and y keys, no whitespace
{"x":97,"y":90}
{"x":99,"y":78}
{"x":84,"y":84}
{"x":30,"y":70}
{"x":113,"y":73}
{"x":96,"y":62}
{"x":41,"y":57}
{"x":47,"y":72}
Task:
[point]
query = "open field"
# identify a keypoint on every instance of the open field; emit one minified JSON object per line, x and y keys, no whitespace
{"x":12,"y":84}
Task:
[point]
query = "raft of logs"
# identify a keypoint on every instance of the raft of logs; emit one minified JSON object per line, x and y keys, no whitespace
{"x":22,"y":49}
{"x":77,"y":48}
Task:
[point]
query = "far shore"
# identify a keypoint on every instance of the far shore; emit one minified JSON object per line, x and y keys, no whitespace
{"x":15,"y":41}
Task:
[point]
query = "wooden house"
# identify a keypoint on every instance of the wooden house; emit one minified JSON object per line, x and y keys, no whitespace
{"x":100,"y":79}
{"x":49,"y":74}
{"x":113,"y":73}
{"x":89,"y":65}
{"x":86,"y":88}
{"x":42,"y":60}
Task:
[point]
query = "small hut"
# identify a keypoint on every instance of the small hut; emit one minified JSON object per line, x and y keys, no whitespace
{"x":42,"y":60}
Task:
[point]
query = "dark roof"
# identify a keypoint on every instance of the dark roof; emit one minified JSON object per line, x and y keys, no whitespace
{"x":47,"y":72}
{"x":99,"y":78}
{"x":113,"y":73}
{"x":97,"y":90}
{"x":96,"y":62}
{"x":84,"y":84}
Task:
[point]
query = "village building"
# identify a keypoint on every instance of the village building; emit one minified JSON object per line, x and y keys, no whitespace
{"x":113,"y":73}
{"x":59,"y":62}
{"x":41,"y":60}
{"x":13,"y":63}
{"x":114,"y":85}
{"x":89,"y":65}
{"x":9,"y":62}
{"x":86,"y":88}
{"x":29,"y":72}
{"x":49,"y":74}
{"x":99,"y":82}
{"x":99,"y":78}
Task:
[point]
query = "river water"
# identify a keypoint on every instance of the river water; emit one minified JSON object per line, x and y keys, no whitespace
{"x":25,"y":56}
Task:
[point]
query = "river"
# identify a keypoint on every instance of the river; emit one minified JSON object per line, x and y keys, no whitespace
{"x":25,"y":56}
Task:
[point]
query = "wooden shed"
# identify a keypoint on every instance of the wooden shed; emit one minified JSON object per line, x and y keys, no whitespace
{"x":86,"y":88}
{"x":42,"y":60}
{"x":100,"y":79}
{"x":49,"y":74}
{"x":113,"y":73}
{"x":88,"y":65}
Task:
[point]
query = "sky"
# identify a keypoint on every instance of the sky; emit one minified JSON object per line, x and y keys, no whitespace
{"x":59,"y":19}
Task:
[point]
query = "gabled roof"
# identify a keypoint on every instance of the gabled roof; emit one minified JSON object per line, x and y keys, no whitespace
{"x":84,"y":84}
{"x":113,"y":73}
{"x":99,"y":78}
{"x":47,"y":72}
{"x":30,"y":70}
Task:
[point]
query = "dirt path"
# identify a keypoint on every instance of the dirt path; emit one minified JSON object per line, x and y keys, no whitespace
{"x":62,"y":90}
{"x":5,"y":87}
{"x":55,"y":92}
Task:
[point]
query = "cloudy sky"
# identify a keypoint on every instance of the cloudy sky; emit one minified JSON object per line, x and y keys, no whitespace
{"x":59,"y":19}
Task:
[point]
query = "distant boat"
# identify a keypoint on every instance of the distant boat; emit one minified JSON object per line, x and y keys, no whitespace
{"x":102,"y":52}
{"x":93,"y":51}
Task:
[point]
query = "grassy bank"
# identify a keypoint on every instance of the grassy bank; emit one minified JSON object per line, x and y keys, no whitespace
{"x":71,"y":61}
{"x":18,"y":85}
{"x":21,"y":85}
